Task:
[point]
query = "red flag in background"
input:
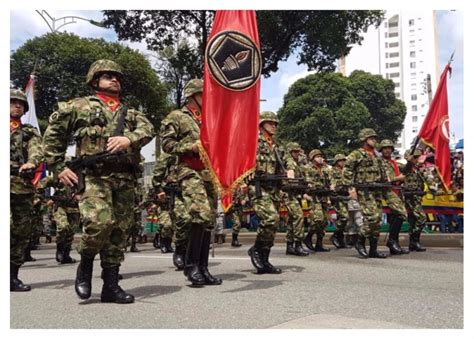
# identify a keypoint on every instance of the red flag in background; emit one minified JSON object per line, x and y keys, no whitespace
{"x":435,"y":130}
{"x":231,"y":99}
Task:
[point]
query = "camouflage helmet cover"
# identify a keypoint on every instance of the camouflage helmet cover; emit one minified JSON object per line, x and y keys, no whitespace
{"x":339,"y":157}
{"x":192,"y":87}
{"x":268,"y":116}
{"x":293,"y":146}
{"x":366,"y":133}
{"x":386,"y":143}
{"x":19,"y":95}
{"x":408,"y":154}
{"x":101,"y":66}
{"x":314,"y":153}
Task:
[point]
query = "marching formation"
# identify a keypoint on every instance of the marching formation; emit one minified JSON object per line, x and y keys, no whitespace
{"x":98,"y":189}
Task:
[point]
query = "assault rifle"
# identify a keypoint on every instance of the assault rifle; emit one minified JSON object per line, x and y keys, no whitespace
{"x":171,"y":190}
{"x":273,"y":179}
{"x":26,"y":174}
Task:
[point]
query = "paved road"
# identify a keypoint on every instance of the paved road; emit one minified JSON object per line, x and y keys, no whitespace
{"x":330,"y":290}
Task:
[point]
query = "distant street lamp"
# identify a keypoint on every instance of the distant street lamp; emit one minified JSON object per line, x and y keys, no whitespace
{"x":65,"y":20}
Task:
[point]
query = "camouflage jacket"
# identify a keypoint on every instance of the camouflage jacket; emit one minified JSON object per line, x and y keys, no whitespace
{"x":363,"y":168}
{"x":267,"y":161}
{"x":89,"y":123}
{"x":337,"y":176}
{"x":389,"y":170}
{"x":179,"y":132}
{"x":25,"y":146}
{"x":164,"y":171}
{"x":414,"y":179}
{"x":319,"y":177}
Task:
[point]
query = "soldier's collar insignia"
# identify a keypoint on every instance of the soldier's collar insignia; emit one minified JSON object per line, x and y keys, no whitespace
{"x":14,"y":123}
{"x":233,"y":60}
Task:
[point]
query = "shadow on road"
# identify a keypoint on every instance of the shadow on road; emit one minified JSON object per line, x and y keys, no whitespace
{"x":231,"y":276}
{"x":140,"y":274}
{"x":65,"y":283}
{"x":256,"y":285}
{"x":151,"y":291}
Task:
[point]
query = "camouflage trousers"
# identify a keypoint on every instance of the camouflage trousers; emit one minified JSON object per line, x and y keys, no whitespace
{"x":295,"y":227}
{"x":396,"y":205}
{"x":136,"y":226}
{"x":21,"y":228}
{"x":318,"y":218}
{"x":181,"y":219}
{"x":66,"y":225}
{"x":266,"y":208}
{"x":166,"y":226}
{"x":371,"y":205}
{"x":106,"y":214}
{"x":235,"y":215}
{"x":354,"y":217}
{"x":342,"y":215}
{"x":416,"y":215}
{"x":200,"y":201}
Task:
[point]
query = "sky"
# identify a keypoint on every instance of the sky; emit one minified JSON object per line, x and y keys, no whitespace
{"x":27,"y":24}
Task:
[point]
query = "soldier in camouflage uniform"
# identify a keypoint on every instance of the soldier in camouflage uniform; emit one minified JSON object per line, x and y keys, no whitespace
{"x":398,"y":212}
{"x":416,"y":216}
{"x":266,"y":206}
{"x":364,"y":167}
{"x":136,"y":225}
{"x":318,"y":177}
{"x":336,"y":175}
{"x":100,"y":124}
{"x":180,"y":137}
{"x":240,"y":199}
{"x":25,"y":154}
{"x":295,"y":231}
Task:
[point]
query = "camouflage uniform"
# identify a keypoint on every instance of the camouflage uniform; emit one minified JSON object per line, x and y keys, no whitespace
{"x":295,"y":226}
{"x":25,"y":147}
{"x":363,"y":167}
{"x":337,"y":181}
{"x":105,"y":207}
{"x":318,"y":177}
{"x":416,"y":215}
{"x":136,"y":225}
{"x":179,"y":134}
{"x":164,"y":173}
{"x":267,"y":205}
{"x":235,"y":214}
{"x":398,"y":212}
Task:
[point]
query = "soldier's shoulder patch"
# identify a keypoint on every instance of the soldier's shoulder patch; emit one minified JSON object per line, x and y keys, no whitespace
{"x":53,"y":117}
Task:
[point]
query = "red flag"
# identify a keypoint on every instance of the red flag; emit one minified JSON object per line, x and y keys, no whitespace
{"x":435,"y":130}
{"x":231,"y":99}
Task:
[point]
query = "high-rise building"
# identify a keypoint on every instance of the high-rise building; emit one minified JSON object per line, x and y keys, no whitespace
{"x":404,"y":48}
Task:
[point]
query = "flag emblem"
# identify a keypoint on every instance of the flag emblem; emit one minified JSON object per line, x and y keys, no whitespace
{"x":234,"y":60}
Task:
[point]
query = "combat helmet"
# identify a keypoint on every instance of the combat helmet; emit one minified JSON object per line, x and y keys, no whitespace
{"x":314,"y":153}
{"x":386,"y":143}
{"x":192,"y":87}
{"x":366,"y":133}
{"x":339,"y":157}
{"x":102,"y":66}
{"x":19,"y":95}
{"x":268,"y":116}
{"x":293,"y":146}
{"x":408,"y":154}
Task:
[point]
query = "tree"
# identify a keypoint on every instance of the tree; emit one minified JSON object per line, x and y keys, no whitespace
{"x":61,"y":62}
{"x":319,"y":37}
{"x":327,"y":111}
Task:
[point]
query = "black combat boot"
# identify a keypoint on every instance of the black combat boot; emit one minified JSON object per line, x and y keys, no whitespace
{"x":360,"y":246}
{"x":59,"y":252}
{"x":290,"y":249}
{"x":350,"y":240}
{"x":178,"y":257}
{"x":66,"y":257}
{"x":16,"y":285}
{"x":111,"y":291}
{"x":393,"y":246}
{"x":299,"y":250}
{"x":204,"y":261}
{"x":235,"y":240}
{"x":373,"y":253}
{"x":393,"y":243}
{"x":28,"y":256}
{"x":133,"y":246}
{"x":156,"y":240}
{"x":256,"y":255}
{"x":193,"y":253}
{"x":269,"y":268}
{"x":335,"y":238}
{"x":48,"y":239}
{"x":342,"y":240}
{"x":83,"y":284}
{"x":319,"y":244}
{"x":308,"y":241}
{"x":415,"y":242}
{"x":169,"y":247}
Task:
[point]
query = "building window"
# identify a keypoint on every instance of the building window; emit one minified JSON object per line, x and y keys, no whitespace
{"x":412,"y":54}
{"x":397,"y":84}
{"x":412,"y":64}
{"x":394,"y":55}
{"x":411,"y":22}
{"x":415,"y":130}
{"x":414,"y":108}
{"x":394,"y":75}
{"x":393,"y":24}
{"x":397,"y":95}
{"x":412,"y":43}
{"x":414,"y":118}
{"x":412,"y":31}
{"x":385,"y":24}
{"x":393,"y":35}
{"x":393,"y":44}
{"x":413,"y":97}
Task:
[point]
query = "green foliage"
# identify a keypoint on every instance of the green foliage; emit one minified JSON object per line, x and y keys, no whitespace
{"x":327,"y":111}
{"x":62,"y":61}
